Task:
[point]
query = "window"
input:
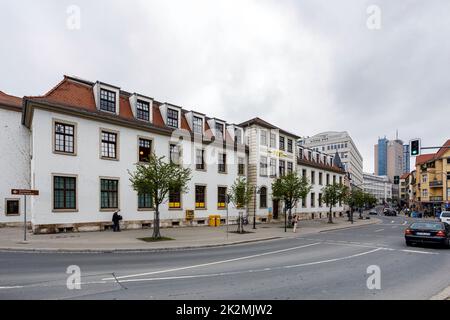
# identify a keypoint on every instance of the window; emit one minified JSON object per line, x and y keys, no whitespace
{"x":222,"y":163}
{"x":313,"y":195}
{"x":109,"y":145}
{"x":241,"y":166}
{"x":64,"y":138}
{"x":263,"y":137}
{"x":200,"y":197}
{"x":282,"y":168}
{"x":448,"y":175}
{"x":424,"y":178}
{"x":12,"y":207}
{"x":200,"y":159}
{"x":289,"y":167}
{"x":263,"y":166}
{"x":273,"y":167}
{"x":64,"y":193}
{"x":304,"y":202}
{"x":107,"y":100}
{"x":340,"y":180}
{"x":221,"y":197}
{"x":109,"y":194}
{"x":263,"y":197}
{"x":273,"y":138}
{"x":289,"y":145}
{"x":320,"y":178}
{"x":313,"y":177}
{"x":320,"y":200}
{"x":174,"y":199}
{"x":145,"y":149}
{"x":174,"y":153}
{"x":281,"y":143}
{"x":334,"y":179}
{"x":424,"y":193}
{"x":238,"y":135}
{"x":143,"y":110}
{"x":145,"y":201}
{"x":304,"y":173}
{"x":219,"y":131}
{"x":172,"y":118}
{"x":197,"y":125}
{"x":300,"y":153}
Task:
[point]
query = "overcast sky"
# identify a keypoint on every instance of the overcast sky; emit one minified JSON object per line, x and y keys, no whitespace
{"x":306,"y":66}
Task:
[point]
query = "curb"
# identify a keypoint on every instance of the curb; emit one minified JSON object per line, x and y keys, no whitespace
{"x":443,"y":295}
{"x":149,"y":250}
{"x":51,"y":250}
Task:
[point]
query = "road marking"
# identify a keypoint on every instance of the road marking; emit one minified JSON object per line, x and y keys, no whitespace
{"x":394,"y":227}
{"x":12,"y":287}
{"x":417,"y":251}
{"x":253,"y":271}
{"x":379,"y":230}
{"x":392,"y":221}
{"x":212,"y":263}
{"x":404,"y":223}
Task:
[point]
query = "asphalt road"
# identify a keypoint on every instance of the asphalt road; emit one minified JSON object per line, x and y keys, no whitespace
{"x":327,"y":265}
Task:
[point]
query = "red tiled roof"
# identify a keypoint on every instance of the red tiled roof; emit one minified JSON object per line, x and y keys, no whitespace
{"x":433,"y":156}
{"x":424,"y":158}
{"x":404,"y":176}
{"x":442,"y":151}
{"x":10,"y":101}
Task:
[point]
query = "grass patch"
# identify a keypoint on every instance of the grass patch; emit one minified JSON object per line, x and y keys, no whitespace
{"x":150,"y":239}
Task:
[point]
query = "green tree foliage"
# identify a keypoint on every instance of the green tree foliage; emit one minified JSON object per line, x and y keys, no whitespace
{"x":157,"y":178}
{"x":333,"y":194}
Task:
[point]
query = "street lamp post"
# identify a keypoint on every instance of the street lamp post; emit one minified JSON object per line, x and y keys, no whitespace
{"x":257,"y":191}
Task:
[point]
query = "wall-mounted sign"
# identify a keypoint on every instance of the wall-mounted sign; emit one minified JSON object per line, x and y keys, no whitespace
{"x":189,"y":215}
{"x":25,"y":192}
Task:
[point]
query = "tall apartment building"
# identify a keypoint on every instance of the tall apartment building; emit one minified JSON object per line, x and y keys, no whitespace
{"x":76,"y":143}
{"x":332,"y":142}
{"x":406,"y":159}
{"x":388,"y":158}
{"x":378,"y":186}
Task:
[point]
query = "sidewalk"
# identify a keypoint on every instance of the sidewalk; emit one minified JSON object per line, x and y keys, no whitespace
{"x":11,"y":239}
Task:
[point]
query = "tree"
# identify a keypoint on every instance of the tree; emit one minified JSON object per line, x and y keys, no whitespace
{"x":290,"y":188}
{"x":241,"y":194}
{"x":355,"y":199}
{"x":332,"y":194}
{"x":157,"y":178}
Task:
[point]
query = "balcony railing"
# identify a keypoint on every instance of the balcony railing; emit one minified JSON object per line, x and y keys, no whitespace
{"x":435,"y":199}
{"x":435,"y":183}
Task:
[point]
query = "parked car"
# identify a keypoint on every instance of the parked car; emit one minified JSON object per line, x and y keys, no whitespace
{"x":428,"y":232}
{"x":373,"y":212}
{"x":389,"y":212}
{"x":445,"y":217}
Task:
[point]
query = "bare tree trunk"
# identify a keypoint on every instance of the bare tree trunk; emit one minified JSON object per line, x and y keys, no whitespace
{"x":156,"y":232}
{"x":330,"y":215}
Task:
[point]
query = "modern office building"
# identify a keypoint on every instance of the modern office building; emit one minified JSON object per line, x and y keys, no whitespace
{"x":379,"y":186}
{"x":331,"y":142}
{"x":77,"y":143}
{"x":388,"y":156}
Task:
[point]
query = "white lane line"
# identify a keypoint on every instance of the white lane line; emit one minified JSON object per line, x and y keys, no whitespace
{"x":417,"y":251}
{"x":392,"y":221}
{"x":253,"y":271}
{"x":212,"y":263}
{"x":394,"y":227}
{"x":379,"y":230}
{"x":12,"y":287}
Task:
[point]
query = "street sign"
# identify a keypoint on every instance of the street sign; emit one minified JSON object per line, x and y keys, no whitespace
{"x":25,"y":192}
{"x":189,"y":215}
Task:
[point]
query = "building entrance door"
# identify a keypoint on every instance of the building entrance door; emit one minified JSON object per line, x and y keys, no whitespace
{"x":275,"y":208}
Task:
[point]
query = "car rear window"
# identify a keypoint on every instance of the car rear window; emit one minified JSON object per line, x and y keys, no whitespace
{"x":445,"y":214}
{"x":427,"y":226}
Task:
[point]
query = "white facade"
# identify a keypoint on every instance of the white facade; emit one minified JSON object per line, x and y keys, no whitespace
{"x":378,"y":186}
{"x":340,"y":142}
{"x":14,"y":163}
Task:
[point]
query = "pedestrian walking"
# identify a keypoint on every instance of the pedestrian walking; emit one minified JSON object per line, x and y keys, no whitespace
{"x":116,"y":221}
{"x":294,"y":222}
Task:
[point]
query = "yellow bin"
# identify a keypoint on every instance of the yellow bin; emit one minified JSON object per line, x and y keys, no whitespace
{"x":218,"y":220}
{"x":214,"y":220}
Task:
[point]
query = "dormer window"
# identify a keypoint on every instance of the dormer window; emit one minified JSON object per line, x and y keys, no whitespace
{"x":197,"y":125}
{"x":143,"y":110}
{"x":219,"y":131}
{"x":172,"y":118}
{"x":107,"y":100}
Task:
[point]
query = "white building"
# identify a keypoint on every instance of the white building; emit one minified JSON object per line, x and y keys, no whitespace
{"x":76,"y":143}
{"x":378,"y":186}
{"x":273,"y":152}
{"x":14,"y":160}
{"x":333,"y":142}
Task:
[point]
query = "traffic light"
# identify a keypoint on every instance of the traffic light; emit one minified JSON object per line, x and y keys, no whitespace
{"x":396,"y":179}
{"x":414,"y":147}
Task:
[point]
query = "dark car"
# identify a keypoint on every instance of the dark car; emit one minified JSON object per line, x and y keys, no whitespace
{"x":389,"y":212}
{"x":428,"y":232}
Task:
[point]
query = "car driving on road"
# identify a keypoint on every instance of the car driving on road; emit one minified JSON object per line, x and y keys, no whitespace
{"x":389,"y":212}
{"x":428,"y":232}
{"x":445,"y":217}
